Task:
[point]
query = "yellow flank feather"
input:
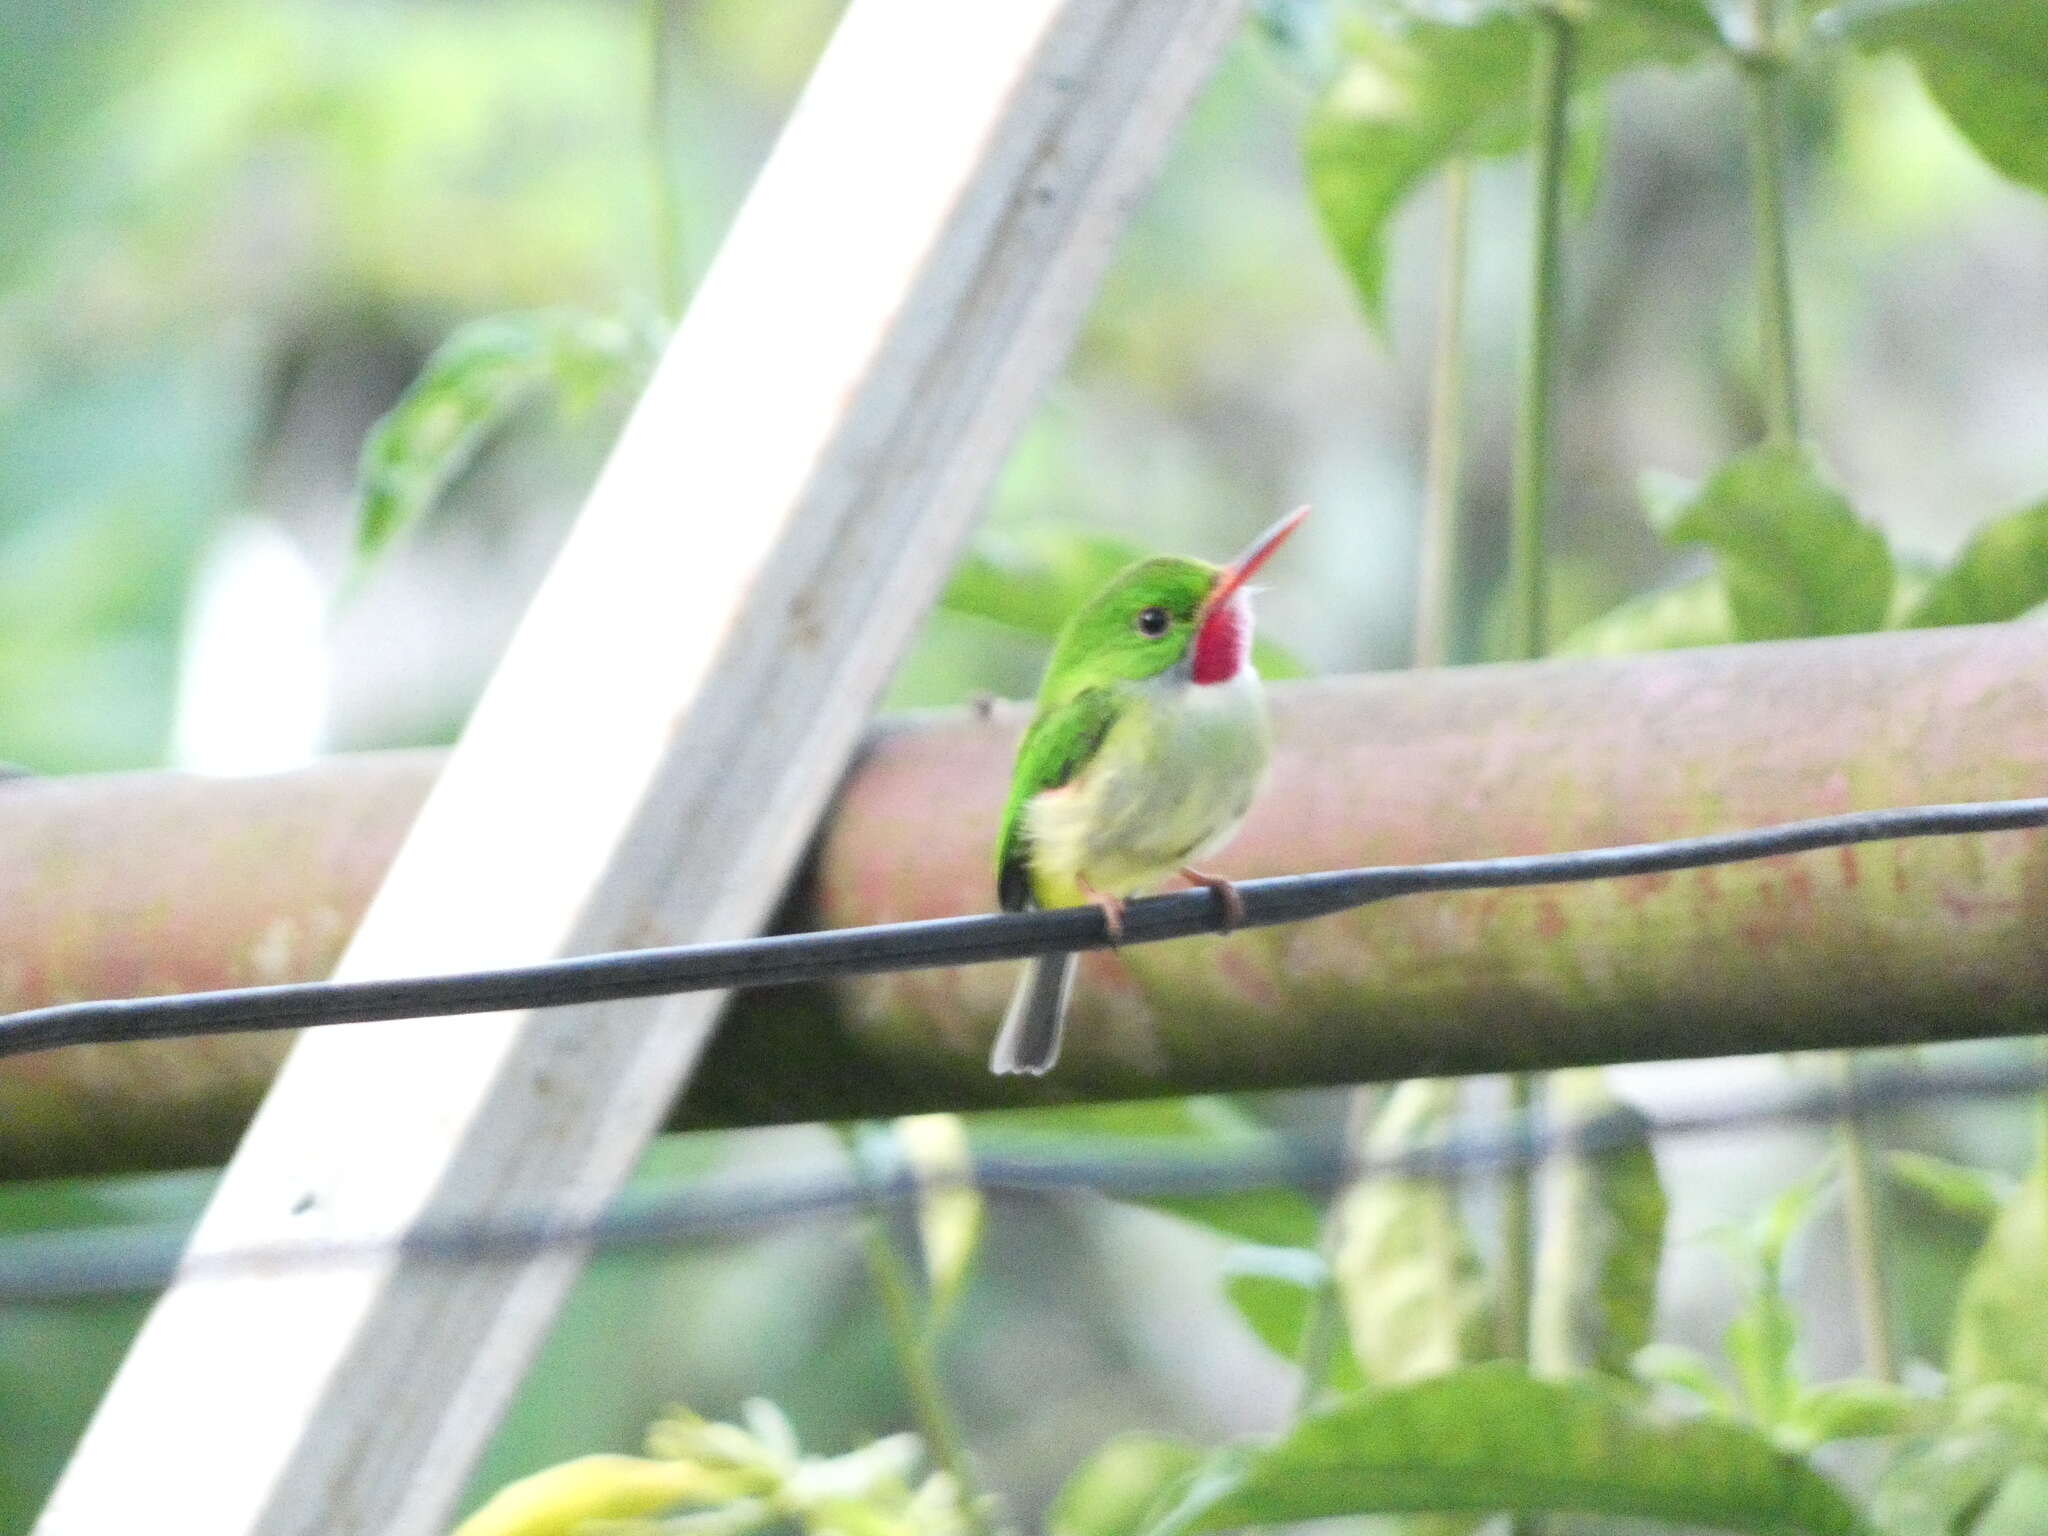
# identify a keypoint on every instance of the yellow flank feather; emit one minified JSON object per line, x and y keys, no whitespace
{"x":1168,"y":786}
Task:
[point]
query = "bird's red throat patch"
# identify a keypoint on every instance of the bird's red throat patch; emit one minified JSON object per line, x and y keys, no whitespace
{"x":1224,"y":642}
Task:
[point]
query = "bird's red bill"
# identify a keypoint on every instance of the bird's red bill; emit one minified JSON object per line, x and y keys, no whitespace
{"x":1257,"y":554}
{"x":1223,"y":642}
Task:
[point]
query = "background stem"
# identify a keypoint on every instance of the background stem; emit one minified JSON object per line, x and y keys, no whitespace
{"x":911,"y":1340}
{"x":664,"y":18}
{"x":1517,"y":1235}
{"x":928,"y":1401}
{"x":1529,"y":638}
{"x":1762,"y":67}
{"x":1437,"y":618}
{"x":1552,"y":89}
{"x":1760,"y":73}
{"x":1320,"y":1333}
{"x":1863,"y":1210}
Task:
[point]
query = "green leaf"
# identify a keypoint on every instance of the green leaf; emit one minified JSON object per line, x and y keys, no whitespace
{"x":1688,"y":18}
{"x":1275,"y":1290}
{"x":1672,"y":618}
{"x":1943,"y":1481}
{"x":1949,"y":1208}
{"x":1847,"y":1410}
{"x":476,"y":380}
{"x":1934,"y":1490}
{"x":1413,"y":1290}
{"x":1984,"y":61}
{"x":1419,"y":93}
{"x":1968,"y":1194}
{"x":1489,"y":1437}
{"x":1795,"y":558}
{"x":1281,"y":1217}
{"x":1117,"y":1488}
{"x":1403,"y":106}
{"x":2001,"y":1325}
{"x":1763,"y":1337}
{"x":1771,"y":1233}
{"x":1032,"y":579}
{"x":2001,"y":574}
{"x":1760,"y":1343}
{"x":1595,"y":1291}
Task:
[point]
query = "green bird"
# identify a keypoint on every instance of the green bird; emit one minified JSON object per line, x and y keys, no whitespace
{"x":1148,"y":745}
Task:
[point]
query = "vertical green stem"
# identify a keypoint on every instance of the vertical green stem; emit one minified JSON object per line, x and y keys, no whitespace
{"x":912,"y":1342}
{"x":1438,"y":615}
{"x":662,"y":22}
{"x":1317,"y":1352}
{"x":1861,"y":1204}
{"x":928,"y":1400}
{"x":1518,"y":1263}
{"x":1550,"y":99}
{"x":1551,"y":96}
{"x":1554,"y":52}
{"x":1436,"y":597}
{"x":1762,"y":69}
{"x":1517,"y":1235}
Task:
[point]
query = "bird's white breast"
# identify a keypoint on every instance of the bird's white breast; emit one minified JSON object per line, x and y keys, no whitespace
{"x":1169,"y":785}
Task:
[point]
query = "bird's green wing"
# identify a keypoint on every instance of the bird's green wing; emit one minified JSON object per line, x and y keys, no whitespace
{"x":1062,"y":738}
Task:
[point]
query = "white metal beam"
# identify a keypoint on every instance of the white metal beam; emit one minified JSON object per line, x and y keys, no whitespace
{"x":652,"y":754}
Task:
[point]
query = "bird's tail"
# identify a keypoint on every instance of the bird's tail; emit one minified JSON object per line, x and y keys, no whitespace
{"x":1030,"y":1041}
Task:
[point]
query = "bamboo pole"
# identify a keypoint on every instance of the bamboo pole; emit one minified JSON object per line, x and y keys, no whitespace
{"x":1881,"y":946}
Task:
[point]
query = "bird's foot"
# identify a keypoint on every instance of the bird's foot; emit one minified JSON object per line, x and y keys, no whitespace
{"x":1226,"y":895}
{"x":1112,"y":911}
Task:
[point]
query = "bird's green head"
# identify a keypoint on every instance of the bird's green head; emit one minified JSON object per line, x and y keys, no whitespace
{"x":1165,"y":615}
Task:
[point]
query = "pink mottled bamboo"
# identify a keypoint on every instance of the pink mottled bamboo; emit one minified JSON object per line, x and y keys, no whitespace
{"x":127,"y":884}
{"x":1880,"y":945}
{"x":156,"y":883}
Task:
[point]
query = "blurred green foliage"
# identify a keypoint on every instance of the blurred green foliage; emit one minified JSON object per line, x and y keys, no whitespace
{"x":1985,"y":61}
{"x":1792,"y":559}
{"x":1416,"y":92}
{"x":1594,"y":1305}
{"x":205,"y":198}
{"x":1489,"y":1437}
{"x":111,"y":480}
{"x":744,"y":1477}
{"x":482,"y":375}
{"x":1162,"y":1128}
{"x":1408,"y":1275}
{"x":56,"y":1358}
{"x":239,"y":234}
{"x":1280,"y":1292}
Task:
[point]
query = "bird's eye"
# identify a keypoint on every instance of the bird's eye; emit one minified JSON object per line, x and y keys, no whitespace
{"x":1153,"y":621}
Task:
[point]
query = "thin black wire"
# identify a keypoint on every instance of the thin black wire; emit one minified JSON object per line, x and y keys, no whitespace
{"x":789,"y":958}
{"x":69,"y":1266}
